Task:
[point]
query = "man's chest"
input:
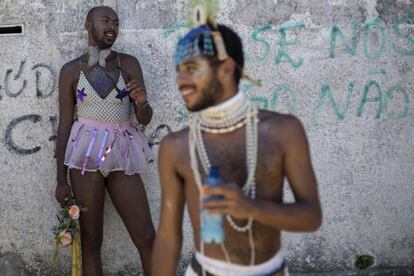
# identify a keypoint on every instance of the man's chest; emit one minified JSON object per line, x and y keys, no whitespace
{"x":233,"y":157}
{"x":102,"y":80}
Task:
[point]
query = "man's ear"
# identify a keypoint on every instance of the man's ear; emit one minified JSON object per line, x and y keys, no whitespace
{"x":227,"y":69}
{"x":88,"y":26}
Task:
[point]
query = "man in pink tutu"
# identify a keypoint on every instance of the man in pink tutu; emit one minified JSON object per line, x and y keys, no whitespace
{"x":102,"y":147}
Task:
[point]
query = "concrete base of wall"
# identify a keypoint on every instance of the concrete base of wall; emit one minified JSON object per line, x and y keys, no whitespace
{"x":11,"y":264}
{"x":369,"y":272}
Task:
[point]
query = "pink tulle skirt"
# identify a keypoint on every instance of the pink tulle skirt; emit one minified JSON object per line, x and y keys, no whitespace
{"x":96,"y":145}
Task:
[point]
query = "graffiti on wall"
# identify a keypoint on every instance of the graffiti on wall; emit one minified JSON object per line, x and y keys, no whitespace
{"x":15,"y":84}
{"x":45,"y":79}
{"x":370,"y":39}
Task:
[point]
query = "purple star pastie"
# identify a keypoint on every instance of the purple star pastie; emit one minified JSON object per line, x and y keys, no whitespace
{"x":81,"y":94}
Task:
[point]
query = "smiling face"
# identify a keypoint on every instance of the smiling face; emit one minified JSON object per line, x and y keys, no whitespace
{"x":198,"y":83}
{"x":103,"y":27}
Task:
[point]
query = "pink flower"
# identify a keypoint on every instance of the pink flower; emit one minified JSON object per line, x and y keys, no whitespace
{"x":74,"y":211}
{"x":66,"y":239}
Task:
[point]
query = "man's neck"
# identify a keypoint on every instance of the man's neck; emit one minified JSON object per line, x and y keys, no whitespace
{"x":97,"y":56}
{"x":92,"y":44}
{"x":229,"y":91}
{"x":224,"y":105}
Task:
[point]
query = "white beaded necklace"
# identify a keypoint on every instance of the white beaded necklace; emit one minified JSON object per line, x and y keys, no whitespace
{"x":225,"y":117}
{"x":221,"y":118}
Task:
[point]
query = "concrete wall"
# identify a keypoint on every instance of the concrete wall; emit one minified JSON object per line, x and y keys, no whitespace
{"x":345,"y":68}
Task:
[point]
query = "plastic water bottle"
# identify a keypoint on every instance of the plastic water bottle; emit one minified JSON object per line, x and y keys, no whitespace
{"x":212,"y":224}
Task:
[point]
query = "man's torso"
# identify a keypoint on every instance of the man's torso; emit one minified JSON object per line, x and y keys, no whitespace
{"x":228,"y":152}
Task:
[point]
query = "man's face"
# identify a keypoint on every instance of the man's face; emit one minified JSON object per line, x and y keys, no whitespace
{"x":104,"y":27}
{"x":198,"y":83}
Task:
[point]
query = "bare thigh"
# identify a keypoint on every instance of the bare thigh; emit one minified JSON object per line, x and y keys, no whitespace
{"x":130,"y":200}
{"x":89,"y":192}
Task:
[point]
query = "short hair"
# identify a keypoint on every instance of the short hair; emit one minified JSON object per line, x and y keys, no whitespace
{"x":92,"y":12}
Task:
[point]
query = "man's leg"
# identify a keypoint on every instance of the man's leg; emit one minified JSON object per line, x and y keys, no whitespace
{"x":130,"y":200}
{"x":89,"y":191}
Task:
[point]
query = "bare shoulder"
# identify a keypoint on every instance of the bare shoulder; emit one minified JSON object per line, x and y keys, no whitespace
{"x":279,"y":120}
{"x":72,"y":66}
{"x":286,"y":127}
{"x":175,"y":144}
{"x":69,"y":75}
{"x":128,"y":59}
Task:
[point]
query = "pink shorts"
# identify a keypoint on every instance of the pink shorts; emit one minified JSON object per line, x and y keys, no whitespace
{"x":106,"y":147}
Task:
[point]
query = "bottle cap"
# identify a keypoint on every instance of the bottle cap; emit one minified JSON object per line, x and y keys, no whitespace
{"x":214,"y":171}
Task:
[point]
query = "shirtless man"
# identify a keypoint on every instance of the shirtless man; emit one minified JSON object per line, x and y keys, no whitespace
{"x":102,"y":148}
{"x":254,"y":214}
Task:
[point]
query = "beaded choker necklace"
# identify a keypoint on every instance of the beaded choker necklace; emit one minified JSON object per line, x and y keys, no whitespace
{"x":225,"y":117}
{"x":196,"y":147}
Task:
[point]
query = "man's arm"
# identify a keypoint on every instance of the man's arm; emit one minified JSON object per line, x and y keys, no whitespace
{"x":168,"y":241}
{"x":66,"y":110}
{"x":136,"y":87}
{"x":302,"y":215}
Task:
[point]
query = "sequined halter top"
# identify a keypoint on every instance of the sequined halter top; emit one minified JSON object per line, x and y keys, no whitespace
{"x":109,"y":109}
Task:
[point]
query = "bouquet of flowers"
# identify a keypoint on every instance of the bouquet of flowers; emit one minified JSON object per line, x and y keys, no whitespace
{"x":67,"y":233}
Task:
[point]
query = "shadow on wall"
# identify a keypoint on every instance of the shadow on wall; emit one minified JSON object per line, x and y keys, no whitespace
{"x":12,"y":264}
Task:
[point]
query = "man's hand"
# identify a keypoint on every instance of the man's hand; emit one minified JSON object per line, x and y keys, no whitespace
{"x":234,"y":202}
{"x":63,"y":192}
{"x":137,"y":92}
